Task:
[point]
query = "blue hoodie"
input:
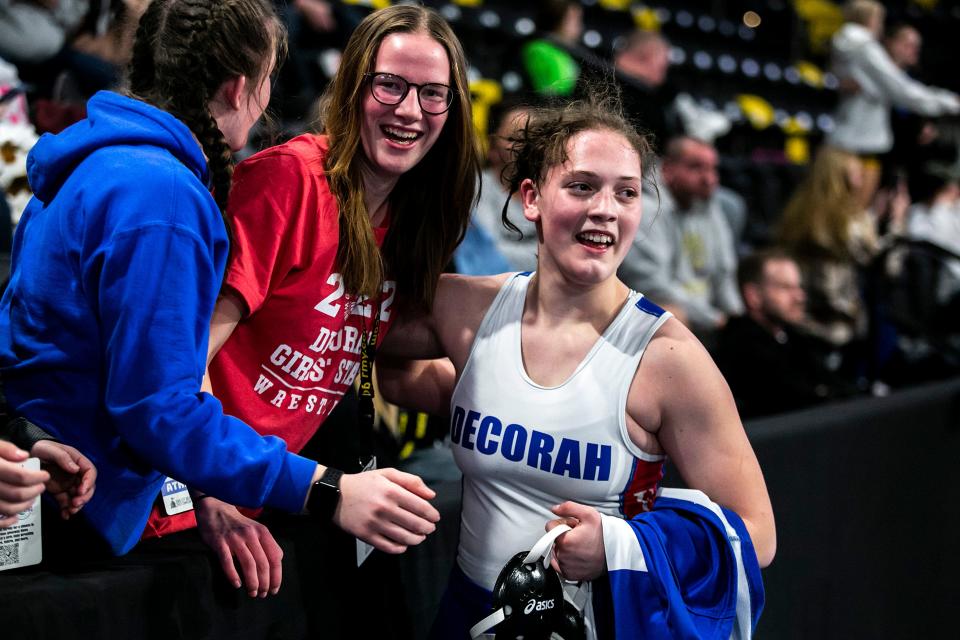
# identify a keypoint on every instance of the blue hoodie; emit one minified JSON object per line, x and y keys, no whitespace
{"x":116,"y":266}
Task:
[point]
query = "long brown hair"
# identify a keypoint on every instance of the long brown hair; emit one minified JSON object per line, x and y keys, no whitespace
{"x":818,"y":216}
{"x":430,"y":205}
{"x":186,"y":49}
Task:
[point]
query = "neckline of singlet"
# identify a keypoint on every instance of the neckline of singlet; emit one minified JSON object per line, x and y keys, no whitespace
{"x":632,"y":298}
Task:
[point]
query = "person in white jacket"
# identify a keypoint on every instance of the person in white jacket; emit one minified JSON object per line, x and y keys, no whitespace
{"x":874,"y":84}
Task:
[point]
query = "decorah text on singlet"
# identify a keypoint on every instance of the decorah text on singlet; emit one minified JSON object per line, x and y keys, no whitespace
{"x":313,"y":377}
{"x":489,"y":436}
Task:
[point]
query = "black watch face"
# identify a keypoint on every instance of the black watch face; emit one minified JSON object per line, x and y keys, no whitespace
{"x":323,"y":499}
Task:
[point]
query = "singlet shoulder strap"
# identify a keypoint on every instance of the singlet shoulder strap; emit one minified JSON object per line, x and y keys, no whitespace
{"x":507,"y":306}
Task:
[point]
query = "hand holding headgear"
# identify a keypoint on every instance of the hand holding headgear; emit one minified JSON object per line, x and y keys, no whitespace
{"x":578,"y":554}
{"x":529,"y":599}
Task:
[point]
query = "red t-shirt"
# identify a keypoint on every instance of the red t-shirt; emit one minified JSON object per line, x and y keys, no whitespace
{"x":290,"y":361}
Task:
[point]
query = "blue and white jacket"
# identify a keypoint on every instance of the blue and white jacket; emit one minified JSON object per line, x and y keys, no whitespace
{"x":686,"y":569}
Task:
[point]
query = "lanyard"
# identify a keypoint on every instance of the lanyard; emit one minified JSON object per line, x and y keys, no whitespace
{"x":365,"y":410}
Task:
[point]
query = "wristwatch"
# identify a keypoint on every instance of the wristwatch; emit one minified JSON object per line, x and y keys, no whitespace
{"x":325,"y":494}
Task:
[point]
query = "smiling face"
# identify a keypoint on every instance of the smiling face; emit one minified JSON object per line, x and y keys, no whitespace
{"x":396,"y":137}
{"x":588,"y":209}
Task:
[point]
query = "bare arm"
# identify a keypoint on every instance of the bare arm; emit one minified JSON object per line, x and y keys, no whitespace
{"x":227,"y":313}
{"x":246,"y":549}
{"x":701,"y":431}
{"x":422,"y":385}
{"x":419,"y":360}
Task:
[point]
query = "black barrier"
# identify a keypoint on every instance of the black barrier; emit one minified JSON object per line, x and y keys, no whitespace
{"x":173,"y":588}
{"x":866,"y":496}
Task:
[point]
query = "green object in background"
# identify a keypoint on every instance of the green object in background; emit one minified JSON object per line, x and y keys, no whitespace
{"x":552,"y":70}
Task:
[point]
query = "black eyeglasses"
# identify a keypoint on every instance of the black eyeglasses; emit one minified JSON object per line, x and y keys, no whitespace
{"x":391,"y":89}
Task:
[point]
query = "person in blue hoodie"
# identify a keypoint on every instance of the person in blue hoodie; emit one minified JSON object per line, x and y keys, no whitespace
{"x":116,"y":266}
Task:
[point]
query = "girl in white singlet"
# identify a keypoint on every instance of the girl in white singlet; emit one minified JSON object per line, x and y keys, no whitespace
{"x":568,"y":389}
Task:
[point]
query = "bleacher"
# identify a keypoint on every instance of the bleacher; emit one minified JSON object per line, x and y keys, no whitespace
{"x":771,"y":80}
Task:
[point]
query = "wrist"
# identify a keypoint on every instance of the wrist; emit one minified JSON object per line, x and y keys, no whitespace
{"x":200,"y":498}
{"x":25,"y":434}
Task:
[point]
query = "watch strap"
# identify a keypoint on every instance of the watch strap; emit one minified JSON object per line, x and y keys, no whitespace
{"x":331,"y":479}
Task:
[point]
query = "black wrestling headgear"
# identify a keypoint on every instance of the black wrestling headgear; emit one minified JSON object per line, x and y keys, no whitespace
{"x":528,"y":598}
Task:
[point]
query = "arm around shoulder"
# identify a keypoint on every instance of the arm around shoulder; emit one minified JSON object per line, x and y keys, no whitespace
{"x":412,"y":369}
{"x":449,"y":327}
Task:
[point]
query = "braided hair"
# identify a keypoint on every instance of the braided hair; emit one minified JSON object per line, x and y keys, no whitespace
{"x":186,"y":49}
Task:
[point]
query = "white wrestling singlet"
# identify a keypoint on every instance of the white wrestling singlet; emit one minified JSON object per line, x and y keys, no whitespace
{"x":524,"y":448}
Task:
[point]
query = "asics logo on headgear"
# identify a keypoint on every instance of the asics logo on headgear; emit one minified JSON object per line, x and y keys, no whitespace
{"x":533,"y":605}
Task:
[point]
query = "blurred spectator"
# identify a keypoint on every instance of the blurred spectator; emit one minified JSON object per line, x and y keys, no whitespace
{"x":903,"y":44}
{"x":33,"y":31}
{"x":771,"y":366}
{"x":834,"y":239}
{"x":642,"y":60}
{"x":936,"y":215}
{"x":68,"y":49}
{"x":548,"y":59}
{"x":317,"y":31}
{"x":873,"y":83}
{"x":642,"y":63}
{"x":554,"y":60}
{"x":916,"y":289}
{"x":935,"y":218}
{"x":519,"y":253}
{"x":828,"y":231}
{"x":916,"y":139}
{"x":110,"y":29}
{"x":684,"y":256}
